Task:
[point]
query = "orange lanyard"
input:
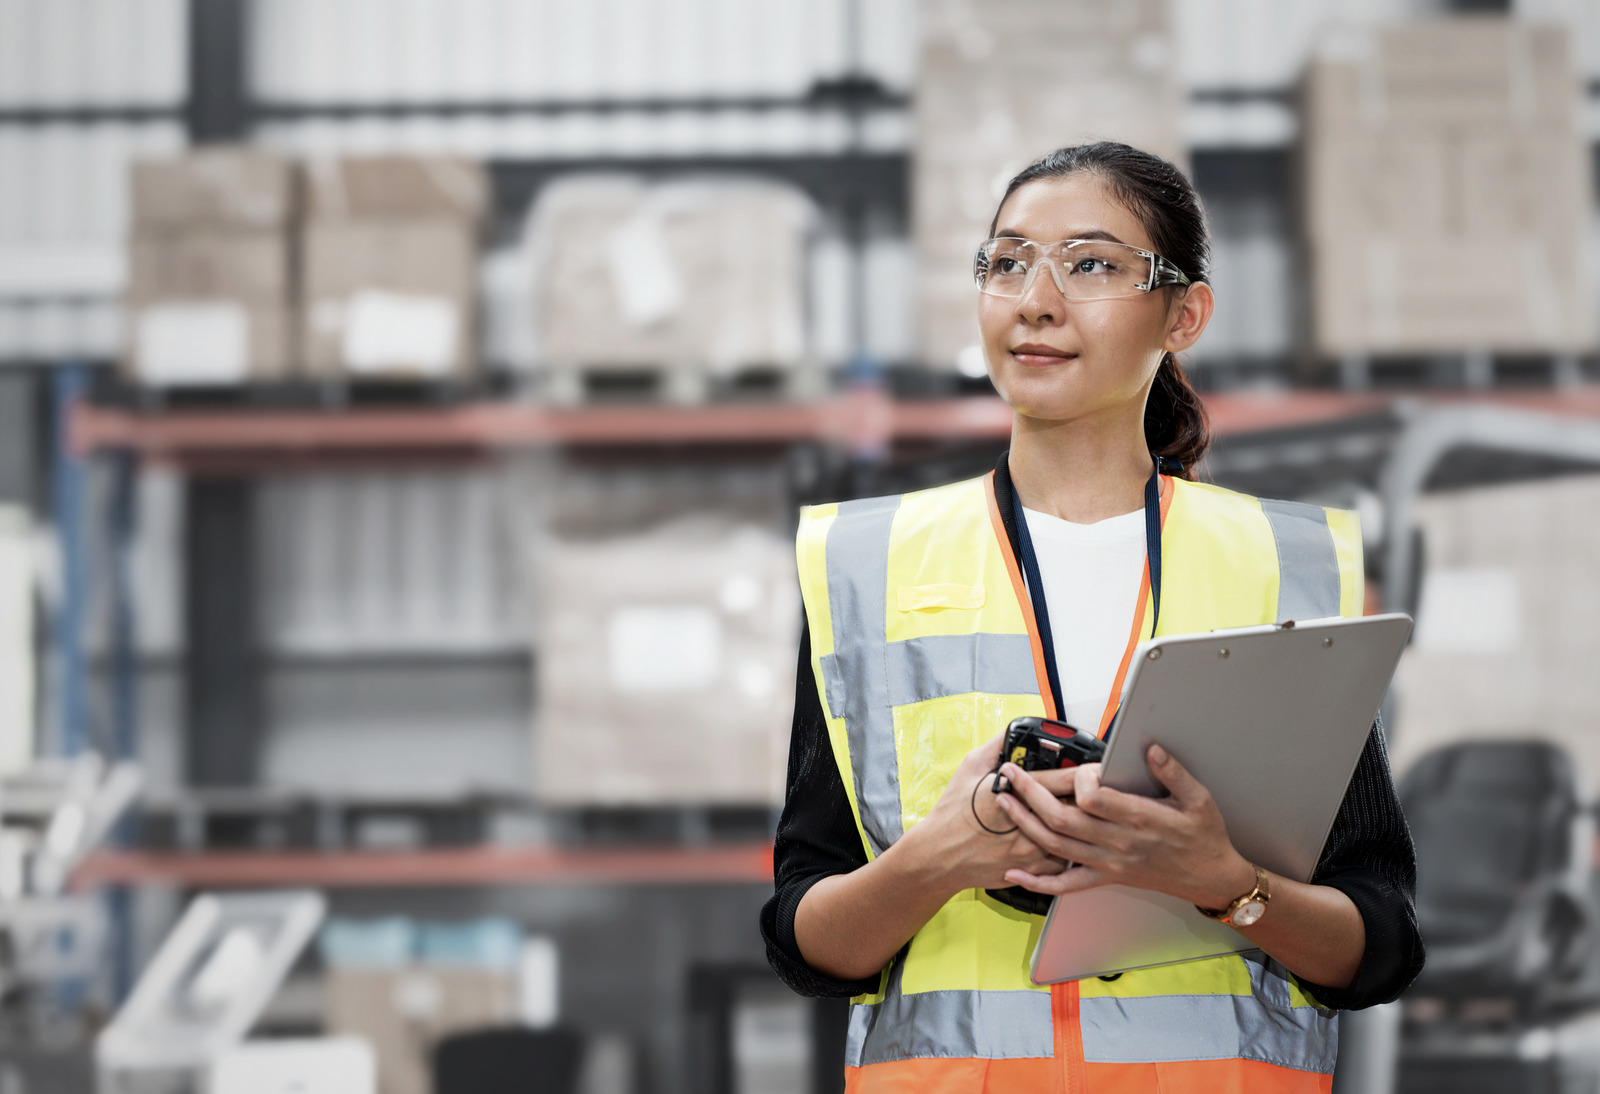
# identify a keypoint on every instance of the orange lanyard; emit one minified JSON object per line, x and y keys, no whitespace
{"x":1157,"y":499}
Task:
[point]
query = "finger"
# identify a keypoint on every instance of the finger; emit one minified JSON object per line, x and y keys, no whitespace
{"x":1026,"y":785}
{"x":1051,"y":840}
{"x":1184,"y":787}
{"x":1098,"y":800}
{"x":1059,"y":781}
{"x":1075,"y":880}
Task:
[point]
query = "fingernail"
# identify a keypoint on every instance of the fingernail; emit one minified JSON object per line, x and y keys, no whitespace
{"x":1005,"y":802}
{"x":1010,"y":770}
{"x":1158,"y":754}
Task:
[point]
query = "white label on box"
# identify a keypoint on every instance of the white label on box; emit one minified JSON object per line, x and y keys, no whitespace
{"x":386,"y":331}
{"x":676,"y":648}
{"x":1469,"y":610}
{"x":539,"y":982}
{"x":194,"y":343}
{"x":649,"y":287}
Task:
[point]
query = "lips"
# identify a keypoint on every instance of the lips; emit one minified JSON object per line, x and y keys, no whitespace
{"x":1038,"y":354}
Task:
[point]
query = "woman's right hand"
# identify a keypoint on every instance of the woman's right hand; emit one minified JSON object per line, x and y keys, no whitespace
{"x":851,"y":925}
{"x":951,"y":842}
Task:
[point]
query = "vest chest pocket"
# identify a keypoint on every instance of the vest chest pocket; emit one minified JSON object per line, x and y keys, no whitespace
{"x":933,"y":598}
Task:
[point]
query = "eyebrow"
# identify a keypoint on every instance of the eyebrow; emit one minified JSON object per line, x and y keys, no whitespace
{"x":1092,"y":233}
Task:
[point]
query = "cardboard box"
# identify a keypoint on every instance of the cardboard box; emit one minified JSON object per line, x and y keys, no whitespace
{"x":402,"y":1014}
{"x":390,"y":298}
{"x":1447,"y":192}
{"x":218,"y":187}
{"x":207,"y":342}
{"x":250,"y":266}
{"x":1466,"y":73}
{"x":974,"y":131}
{"x":396,"y":188}
{"x":704,"y":275}
{"x":665,"y":666}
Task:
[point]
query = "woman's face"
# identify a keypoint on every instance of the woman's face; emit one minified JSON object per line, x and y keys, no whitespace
{"x":1059,"y":360}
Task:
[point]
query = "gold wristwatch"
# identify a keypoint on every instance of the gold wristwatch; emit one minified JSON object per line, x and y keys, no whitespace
{"x":1247,"y":910}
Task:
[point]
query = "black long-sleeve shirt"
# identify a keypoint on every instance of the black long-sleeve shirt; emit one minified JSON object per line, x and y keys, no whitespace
{"x":1368,"y":856}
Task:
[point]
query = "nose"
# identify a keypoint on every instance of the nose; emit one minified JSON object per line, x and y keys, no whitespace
{"x":1038,"y":304}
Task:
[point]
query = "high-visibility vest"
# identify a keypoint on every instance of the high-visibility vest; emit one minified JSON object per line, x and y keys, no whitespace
{"x":923,"y":647}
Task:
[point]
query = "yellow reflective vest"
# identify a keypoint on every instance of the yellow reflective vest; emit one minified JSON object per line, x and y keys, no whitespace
{"x":923,"y":646}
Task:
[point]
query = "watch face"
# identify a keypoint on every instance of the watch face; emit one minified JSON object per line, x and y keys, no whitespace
{"x":1248,"y":914}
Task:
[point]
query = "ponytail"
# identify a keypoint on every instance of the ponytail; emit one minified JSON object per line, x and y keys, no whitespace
{"x":1175,"y":422}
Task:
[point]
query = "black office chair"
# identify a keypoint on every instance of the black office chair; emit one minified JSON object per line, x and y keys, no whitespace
{"x":1503,"y":847}
{"x":512,"y":1060}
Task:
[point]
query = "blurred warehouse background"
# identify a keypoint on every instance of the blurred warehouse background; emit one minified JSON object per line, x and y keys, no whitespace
{"x":403,"y":409}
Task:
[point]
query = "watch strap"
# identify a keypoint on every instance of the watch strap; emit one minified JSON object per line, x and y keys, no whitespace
{"x":1258,"y":893}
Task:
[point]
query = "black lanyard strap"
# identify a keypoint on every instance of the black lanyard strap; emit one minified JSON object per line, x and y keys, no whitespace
{"x":1030,"y":570}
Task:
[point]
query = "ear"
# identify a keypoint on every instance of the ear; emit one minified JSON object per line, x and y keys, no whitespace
{"x":1190,"y":317}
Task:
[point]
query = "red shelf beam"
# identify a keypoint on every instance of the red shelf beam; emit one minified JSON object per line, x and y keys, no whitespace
{"x":862,"y":420}
{"x":734,"y":863}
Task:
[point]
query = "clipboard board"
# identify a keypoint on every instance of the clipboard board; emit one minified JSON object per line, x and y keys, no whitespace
{"x":1272,"y":721}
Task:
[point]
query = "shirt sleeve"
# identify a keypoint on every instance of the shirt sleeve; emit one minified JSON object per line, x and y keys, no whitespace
{"x":816,"y":838}
{"x":1370,"y":858}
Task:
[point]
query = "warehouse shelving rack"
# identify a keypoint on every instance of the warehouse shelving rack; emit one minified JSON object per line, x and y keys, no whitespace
{"x":226,"y":448}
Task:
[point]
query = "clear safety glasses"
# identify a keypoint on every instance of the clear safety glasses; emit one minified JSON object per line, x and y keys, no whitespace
{"x":1083,"y":269}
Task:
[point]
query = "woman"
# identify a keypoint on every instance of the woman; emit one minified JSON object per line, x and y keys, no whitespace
{"x":929,"y":628}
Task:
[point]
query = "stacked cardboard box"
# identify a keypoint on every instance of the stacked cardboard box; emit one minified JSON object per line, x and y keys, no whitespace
{"x":1447,"y":196}
{"x":1001,"y":83}
{"x":665,"y":666}
{"x":391,"y":265}
{"x":210,"y":290}
{"x":703,"y":275}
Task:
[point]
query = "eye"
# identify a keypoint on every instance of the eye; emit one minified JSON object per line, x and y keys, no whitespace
{"x":1004,"y":265}
{"x":1092,"y":266}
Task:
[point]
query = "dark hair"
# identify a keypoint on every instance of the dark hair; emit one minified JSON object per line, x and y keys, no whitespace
{"x":1166,"y":203}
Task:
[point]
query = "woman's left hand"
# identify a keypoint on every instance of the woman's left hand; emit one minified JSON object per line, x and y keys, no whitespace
{"x":1176,"y":845}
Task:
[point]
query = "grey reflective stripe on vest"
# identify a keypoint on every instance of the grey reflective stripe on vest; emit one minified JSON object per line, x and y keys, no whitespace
{"x":855,"y":676}
{"x":1308,"y":563}
{"x":989,"y":1025}
{"x":937,"y":665}
{"x":1164,"y":1028}
{"x":866,"y":676}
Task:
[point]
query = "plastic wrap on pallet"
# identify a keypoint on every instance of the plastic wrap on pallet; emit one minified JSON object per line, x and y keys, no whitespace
{"x":664,"y":665}
{"x":703,"y":275}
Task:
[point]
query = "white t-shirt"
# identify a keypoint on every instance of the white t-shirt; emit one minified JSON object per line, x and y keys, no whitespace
{"x":1091,"y":575}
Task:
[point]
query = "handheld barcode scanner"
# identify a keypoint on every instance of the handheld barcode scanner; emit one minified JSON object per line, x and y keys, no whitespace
{"x":1045,"y":744}
{"x":1040,"y":744}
